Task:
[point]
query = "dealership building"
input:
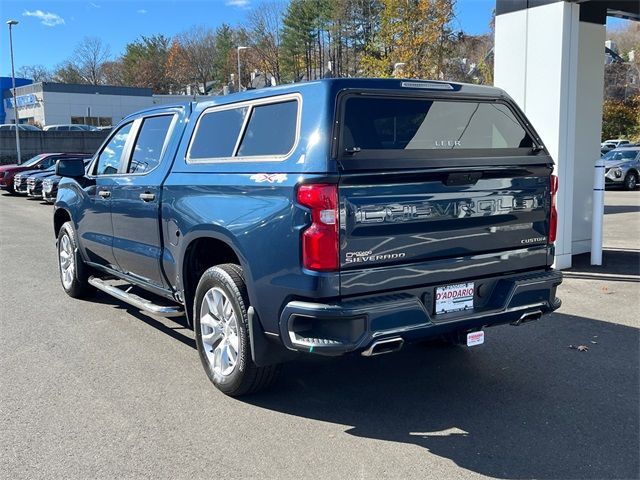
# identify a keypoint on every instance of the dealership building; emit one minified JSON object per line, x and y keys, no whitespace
{"x":47,"y":103}
{"x":5,"y":90}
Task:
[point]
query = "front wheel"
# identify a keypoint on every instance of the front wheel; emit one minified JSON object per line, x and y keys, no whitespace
{"x":630,"y":181}
{"x":222,"y":333}
{"x":73,"y":272}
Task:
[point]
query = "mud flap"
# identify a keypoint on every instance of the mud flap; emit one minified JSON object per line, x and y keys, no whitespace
{"x":263,"y":351}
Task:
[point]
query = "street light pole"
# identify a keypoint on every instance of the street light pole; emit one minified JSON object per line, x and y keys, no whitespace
{"x":240,"y":84}
{"x":12,"y":23}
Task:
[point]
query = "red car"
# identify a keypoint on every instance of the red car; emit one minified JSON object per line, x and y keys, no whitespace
{"x":39,"y":162}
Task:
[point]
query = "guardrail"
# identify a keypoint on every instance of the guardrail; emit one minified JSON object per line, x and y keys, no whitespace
{"x":33,"y":143}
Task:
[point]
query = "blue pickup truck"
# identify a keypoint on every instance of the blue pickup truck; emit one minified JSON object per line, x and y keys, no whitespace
{"x":342,"y":216}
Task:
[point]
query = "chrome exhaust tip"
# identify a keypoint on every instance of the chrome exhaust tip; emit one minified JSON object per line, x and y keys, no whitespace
{"x":380,"y":347}
{"x":528,"y":317}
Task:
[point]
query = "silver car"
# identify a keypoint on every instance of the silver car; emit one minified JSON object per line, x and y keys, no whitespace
{"x":622,"y":167}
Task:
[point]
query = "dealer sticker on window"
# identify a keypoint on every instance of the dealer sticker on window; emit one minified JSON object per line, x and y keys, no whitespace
{"x":452,"y":298}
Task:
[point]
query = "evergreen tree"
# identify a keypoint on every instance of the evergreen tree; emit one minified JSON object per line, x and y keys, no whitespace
{"x":298,"y":39}
{"x":145,"y":63}
{"x":224,"y":63}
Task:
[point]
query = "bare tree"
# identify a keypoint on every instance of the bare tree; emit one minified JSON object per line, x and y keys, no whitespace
{"x":112,"y":73}
{"x":264,"y":32}
{"x":198,"y":45}
{"x":37,"y":73}
{"x":627,"y":39}
{"x":622,"y":69}
{"x":88,"y":59}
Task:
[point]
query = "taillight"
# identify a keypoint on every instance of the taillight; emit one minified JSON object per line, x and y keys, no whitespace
{"x":553,"y":218}
{"x":320,"y":239}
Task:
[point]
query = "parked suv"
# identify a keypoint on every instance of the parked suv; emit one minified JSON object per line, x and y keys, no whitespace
{"x":342,"y":216}
{"x":622,"y":167}
{"x":33,"y":181}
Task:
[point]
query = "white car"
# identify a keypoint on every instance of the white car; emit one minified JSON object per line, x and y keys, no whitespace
{"x":70,"y":128}
{"x":614,"y":143}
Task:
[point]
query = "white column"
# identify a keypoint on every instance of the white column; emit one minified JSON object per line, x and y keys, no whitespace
{"x":552,"y":65}
{"x":588,"y":130}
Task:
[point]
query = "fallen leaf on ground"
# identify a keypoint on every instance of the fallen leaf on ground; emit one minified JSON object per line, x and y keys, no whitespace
{"x":580,"y":348}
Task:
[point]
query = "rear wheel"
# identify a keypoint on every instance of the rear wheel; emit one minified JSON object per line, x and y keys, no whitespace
{"x":74,"y":274}
{"x":222,"y":333}
{"x":630,"y":181}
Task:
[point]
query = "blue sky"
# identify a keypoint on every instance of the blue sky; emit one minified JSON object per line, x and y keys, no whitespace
{"x":49,"y":29}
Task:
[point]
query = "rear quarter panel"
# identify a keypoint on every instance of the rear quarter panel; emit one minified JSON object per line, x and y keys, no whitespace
{"x":260,"y":223}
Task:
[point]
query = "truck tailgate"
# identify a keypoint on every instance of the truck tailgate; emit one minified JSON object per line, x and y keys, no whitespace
{"x":421,"y":227}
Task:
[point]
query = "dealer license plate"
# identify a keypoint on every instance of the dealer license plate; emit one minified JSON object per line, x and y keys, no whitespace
{"x":453,"y":298}
{"x":475,"y":338}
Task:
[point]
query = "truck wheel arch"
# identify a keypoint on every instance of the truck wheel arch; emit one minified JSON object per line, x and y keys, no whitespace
{"x":200,"y":254}
{"x":60,"y":217}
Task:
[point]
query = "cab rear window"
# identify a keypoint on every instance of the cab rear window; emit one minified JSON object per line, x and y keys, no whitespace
{"x":266,"y":129}
{"x":405,"y":124}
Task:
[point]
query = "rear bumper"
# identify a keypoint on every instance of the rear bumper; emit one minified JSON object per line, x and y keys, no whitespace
{"x":352,"y":325}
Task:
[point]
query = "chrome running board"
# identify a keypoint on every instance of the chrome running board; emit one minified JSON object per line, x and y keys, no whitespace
{"x":135,"y":300}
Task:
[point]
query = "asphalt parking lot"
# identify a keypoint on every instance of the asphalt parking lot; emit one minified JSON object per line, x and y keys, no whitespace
{"x":100,"y":390}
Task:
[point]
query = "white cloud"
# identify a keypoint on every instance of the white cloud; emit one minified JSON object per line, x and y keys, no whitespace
{"x":237,"y":3}
{"x":142,"y":11}
{"x":95,"y":5}
{"x":46,"y":18}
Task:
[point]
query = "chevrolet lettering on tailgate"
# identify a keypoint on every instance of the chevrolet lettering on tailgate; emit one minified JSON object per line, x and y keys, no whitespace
{"x":479,"y":207}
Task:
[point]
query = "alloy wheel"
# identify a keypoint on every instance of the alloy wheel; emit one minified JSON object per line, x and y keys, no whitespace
{"x":67,"y":262}
{"x":219,"y":331}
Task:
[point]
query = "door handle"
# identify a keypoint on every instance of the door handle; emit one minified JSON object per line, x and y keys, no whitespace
{"x":104,"y":193}
{"x":147,"y":197}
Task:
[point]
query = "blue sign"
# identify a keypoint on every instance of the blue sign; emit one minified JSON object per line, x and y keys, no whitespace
{"x":23,"y":101}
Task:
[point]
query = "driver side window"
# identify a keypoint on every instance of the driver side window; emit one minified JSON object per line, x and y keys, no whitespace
{"x":110,"y":157}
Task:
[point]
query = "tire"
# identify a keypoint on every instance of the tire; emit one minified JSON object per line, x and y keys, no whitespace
{"x":222,"y":333}
{"x":630,"y":181}
{"x":74,"y":274}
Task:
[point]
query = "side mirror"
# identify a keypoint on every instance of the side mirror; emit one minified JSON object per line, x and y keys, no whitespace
{"x":70,"y":167}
